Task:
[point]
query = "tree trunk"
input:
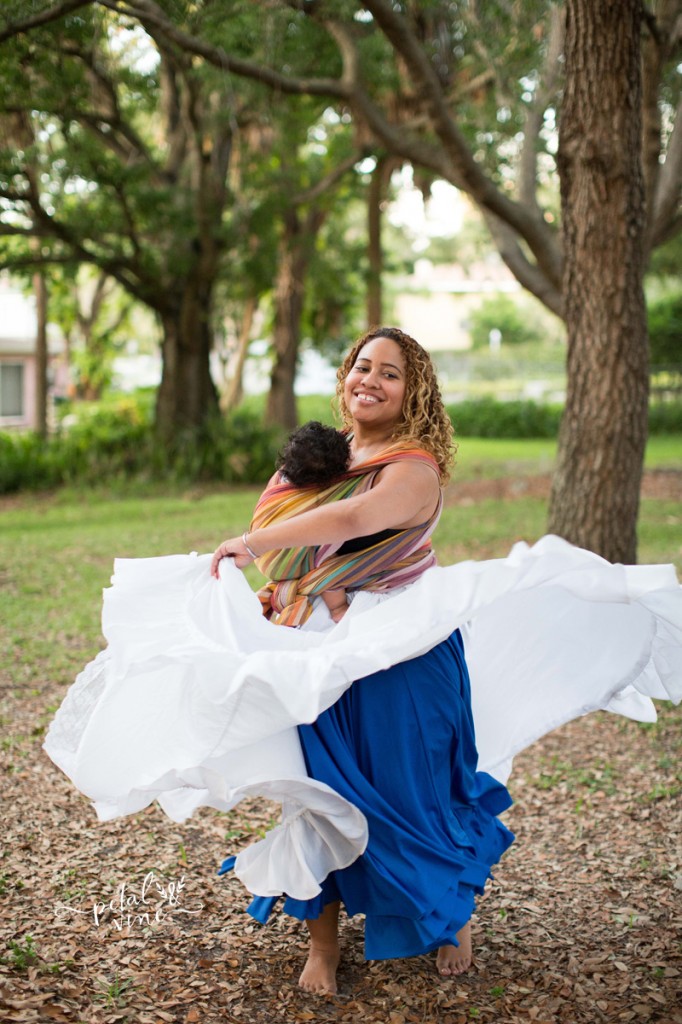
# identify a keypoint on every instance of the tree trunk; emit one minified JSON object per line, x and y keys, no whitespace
{"x":281,"y":404}
{"x":296,"y":250}
{"x":234,"y":389}
{"x":187,"y":396}
{"x":40,"y":289}
{"x":375,"y":256}
{"x":595,"y":494}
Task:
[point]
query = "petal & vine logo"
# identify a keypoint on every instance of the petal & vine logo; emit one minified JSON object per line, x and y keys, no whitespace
{"x":155,"y":901}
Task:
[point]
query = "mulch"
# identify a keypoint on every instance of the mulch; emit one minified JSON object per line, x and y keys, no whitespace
{"x":581,"y":923}
{"x":128,"y":920}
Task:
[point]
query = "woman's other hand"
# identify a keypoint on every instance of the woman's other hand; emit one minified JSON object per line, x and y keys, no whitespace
{"x":234,"y":548}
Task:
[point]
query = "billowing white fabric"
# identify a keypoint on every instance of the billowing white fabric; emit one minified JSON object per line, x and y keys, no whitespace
{"x":196,"y":698}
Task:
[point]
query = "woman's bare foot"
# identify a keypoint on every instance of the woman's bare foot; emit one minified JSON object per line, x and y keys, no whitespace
{"x":456,"y":959}
{"x":319,"y":973}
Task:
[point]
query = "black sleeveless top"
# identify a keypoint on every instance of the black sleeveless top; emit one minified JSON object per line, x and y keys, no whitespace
{"x":349,"y":547}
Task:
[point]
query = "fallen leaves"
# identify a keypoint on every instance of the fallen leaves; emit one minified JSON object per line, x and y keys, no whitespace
{"x":579,"y":926}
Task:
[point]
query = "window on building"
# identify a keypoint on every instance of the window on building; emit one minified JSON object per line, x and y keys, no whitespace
{"x":11,"y":389}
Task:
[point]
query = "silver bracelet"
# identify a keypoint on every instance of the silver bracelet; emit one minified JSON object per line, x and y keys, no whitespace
{"x":248,"y":549}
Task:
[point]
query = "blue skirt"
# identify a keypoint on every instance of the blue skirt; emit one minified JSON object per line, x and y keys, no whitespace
{"x":400,"y":745}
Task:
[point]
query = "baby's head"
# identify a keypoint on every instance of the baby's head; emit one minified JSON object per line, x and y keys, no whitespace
{"x":314,"y":455}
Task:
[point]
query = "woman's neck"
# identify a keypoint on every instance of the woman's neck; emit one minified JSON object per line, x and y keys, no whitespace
{"x":366,"y":443}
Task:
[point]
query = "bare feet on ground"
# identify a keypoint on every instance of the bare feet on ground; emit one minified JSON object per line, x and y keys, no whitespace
{"x":319,"y":973}
{"x":456,"y":959}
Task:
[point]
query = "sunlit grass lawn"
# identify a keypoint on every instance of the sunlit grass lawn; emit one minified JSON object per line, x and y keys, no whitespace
{"x":57,"y":550}
{"x":494,"y":457}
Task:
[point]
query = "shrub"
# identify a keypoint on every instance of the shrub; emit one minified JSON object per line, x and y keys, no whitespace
{"x":488,"y":417}
{"x":118,"y":442}
{"x":665,"y":417}
{"x":665,"y":331}
{"x":25,"y":463}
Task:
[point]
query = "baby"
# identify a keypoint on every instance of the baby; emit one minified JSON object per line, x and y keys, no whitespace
{"x":315,"y":456}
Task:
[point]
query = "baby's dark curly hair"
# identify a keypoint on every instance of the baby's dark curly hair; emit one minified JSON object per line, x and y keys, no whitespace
{"x":314,"y":455}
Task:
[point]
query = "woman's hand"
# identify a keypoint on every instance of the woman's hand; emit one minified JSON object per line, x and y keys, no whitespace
{"x":234,"y":548}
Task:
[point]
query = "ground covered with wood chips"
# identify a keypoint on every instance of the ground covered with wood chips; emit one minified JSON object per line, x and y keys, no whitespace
{"x":128,"y":921}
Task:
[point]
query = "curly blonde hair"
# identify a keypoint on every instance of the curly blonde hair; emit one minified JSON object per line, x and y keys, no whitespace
{"x":424,"y":420}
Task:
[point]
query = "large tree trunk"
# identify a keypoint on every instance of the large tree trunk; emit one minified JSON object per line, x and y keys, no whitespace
{"x":187,"y":396}
{"x":595,"y":495}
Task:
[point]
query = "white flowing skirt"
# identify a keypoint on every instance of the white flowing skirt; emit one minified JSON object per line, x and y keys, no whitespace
{"x":196,"y":699}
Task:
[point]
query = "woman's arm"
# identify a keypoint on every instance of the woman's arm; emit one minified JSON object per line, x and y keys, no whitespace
{"x":404,"y":495}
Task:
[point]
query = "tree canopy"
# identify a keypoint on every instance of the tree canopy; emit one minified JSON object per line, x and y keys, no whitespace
{"x":132,"y":165}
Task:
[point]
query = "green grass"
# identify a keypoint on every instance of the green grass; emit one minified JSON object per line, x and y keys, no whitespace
{"x":488,"y":528}
{"x":57,"y":554}
{"x":57,"y":550}
{"x":664,"y":451}
{"x":487,"y":457}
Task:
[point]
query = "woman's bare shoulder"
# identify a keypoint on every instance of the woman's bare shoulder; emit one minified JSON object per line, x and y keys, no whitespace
{"x":412,"y":488}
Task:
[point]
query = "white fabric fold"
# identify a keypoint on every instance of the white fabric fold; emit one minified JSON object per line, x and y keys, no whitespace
{"x":195,"y":701}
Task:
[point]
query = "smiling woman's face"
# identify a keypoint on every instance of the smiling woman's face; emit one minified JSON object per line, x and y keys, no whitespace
{"x":374,"y":389}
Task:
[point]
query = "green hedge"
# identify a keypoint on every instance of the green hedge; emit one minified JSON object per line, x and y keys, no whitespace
{"x":119,"y":443}
{"x":488,"y":417}
{"x":665,"y":330}
{"x":665,"y":418}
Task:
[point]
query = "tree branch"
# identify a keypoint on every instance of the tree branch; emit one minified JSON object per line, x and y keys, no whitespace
{"x":536,"y":110}
{"x":171,"y":108}
{"x":20,"y":262}
{"x":329,"y":180}
{"x":470,"y":15}
{"x":525,"y":272}
{"x":670,"y":230}
{"x":669,"y":185}
{"x":7,"y":230}
{"x":397,"y":139}
{"x":132,"y":279}
{"x":105,"y":90}
{"x":474,"y":85}
{"x":12,"y":196}
{"x":464,"y":172}
{"x":658,"y":43}
{"x":43,"y":18}
{"x":125,"y":149}
{"x":151,"y":12}
{"x":129,"y":220}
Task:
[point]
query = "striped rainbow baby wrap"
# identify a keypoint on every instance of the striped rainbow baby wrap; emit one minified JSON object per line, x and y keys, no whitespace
{"x":297,"y":575}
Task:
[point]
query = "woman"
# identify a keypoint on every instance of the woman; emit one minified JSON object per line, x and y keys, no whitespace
{"x":388,"y":393}
{"x":362,"y":730}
